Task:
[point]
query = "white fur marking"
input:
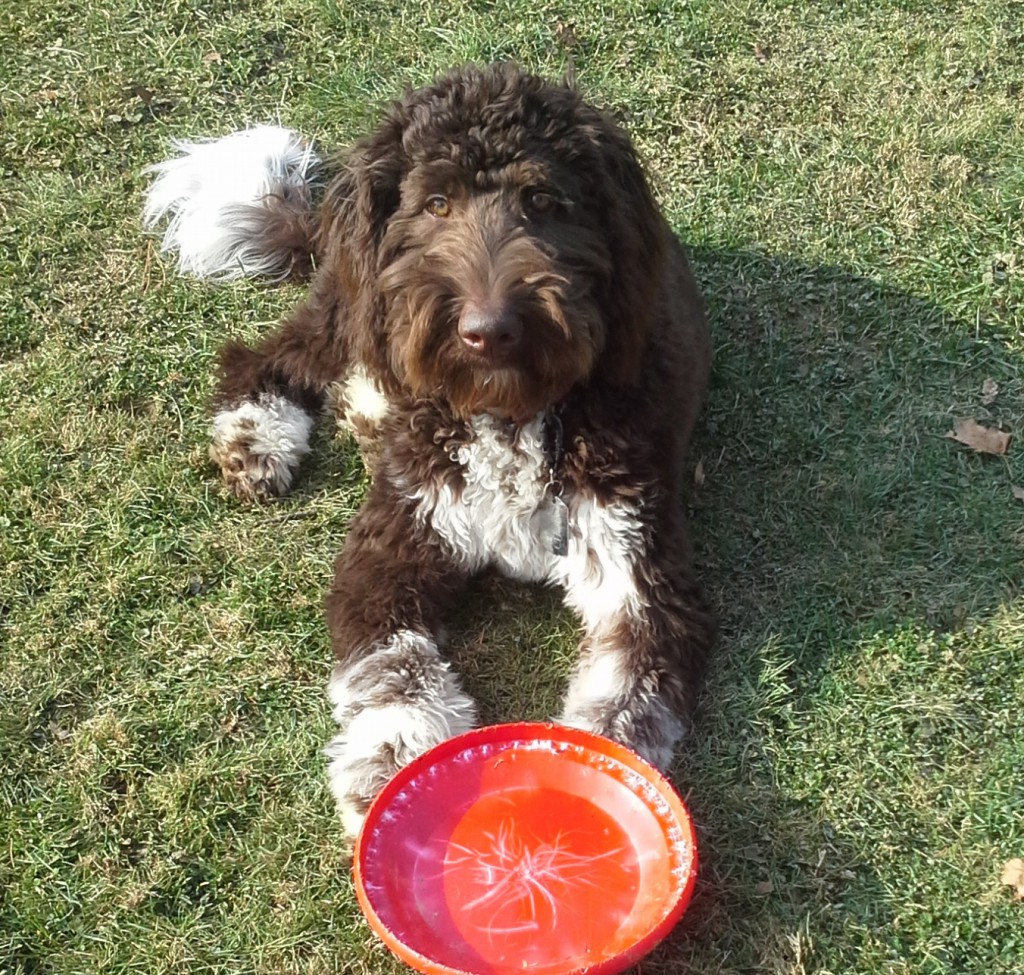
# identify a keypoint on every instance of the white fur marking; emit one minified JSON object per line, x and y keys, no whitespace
{"x":405,"y":728}
{"x":605,"y":543}
{"x":599,"y":678}
{"x":213,"y":193}
{"x":351,"y":820}
{"x":363,"y":398}
{"x":276,"y":425}
{"x":659,"y":752}
{"x":494,"y":520}
{"x":275,"y":433}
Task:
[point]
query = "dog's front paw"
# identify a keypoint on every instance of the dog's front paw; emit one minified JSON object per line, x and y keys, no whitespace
{"x":632,"y":709}
{"x":258,"y":446}
{"x":392,"y":704}
{"x":651,"y":730}
{"x":356,"y":778}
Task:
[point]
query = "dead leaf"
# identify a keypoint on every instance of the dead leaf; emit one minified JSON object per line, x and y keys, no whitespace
{"x":989,"y":392}
{"x":1013,"y":876}
{"x":212,"y":56}
{"x":565,"y":34}
{"x":1018,"y":492}
{"x":698,"y":474}
{"x":984,"y":440}
{"x":764,"y":887}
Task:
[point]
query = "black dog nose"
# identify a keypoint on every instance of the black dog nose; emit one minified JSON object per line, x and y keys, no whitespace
{"x":490,"y":332}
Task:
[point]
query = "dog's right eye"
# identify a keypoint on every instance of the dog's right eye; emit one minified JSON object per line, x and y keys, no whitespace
{"x":538,"y":200}
{"x":438,"y":206}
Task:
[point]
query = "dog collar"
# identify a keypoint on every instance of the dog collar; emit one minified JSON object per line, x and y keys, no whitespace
{"x":553,"y":512}
{"x":554,"y":448}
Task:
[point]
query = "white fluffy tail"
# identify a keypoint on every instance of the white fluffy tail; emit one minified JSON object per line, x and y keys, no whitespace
{"x":228,"y":199}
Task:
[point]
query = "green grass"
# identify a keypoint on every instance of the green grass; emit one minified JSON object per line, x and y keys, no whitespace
{"x":850,"y":177}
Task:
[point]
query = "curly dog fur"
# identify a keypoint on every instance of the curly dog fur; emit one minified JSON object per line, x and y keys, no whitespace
{"x":504,"y":319}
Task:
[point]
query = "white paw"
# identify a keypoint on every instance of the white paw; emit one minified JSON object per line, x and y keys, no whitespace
{"x":393,"y":704}
{"x":606,"y":699}
{"x":259,"y":446}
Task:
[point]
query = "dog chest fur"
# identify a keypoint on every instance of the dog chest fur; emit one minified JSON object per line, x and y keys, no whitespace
{"x":493,"y":518}
{"x":497,"y":520}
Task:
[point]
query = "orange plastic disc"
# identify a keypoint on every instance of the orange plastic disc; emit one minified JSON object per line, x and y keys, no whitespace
{"x":529,"y":847}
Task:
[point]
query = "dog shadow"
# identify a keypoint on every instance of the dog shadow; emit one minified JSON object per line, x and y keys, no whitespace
{"x":827,"y":507}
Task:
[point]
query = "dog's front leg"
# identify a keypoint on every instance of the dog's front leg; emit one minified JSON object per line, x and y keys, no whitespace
{"x":647,"y":633}
{"x":393,"y":695}
{"x":268,"y":397}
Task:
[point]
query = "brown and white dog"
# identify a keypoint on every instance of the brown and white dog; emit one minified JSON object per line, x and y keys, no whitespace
{"x":506,"y":322}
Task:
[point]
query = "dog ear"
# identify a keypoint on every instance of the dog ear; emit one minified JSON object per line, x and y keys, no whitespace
{"x":357,"y":206}
{"x":638,"y":240}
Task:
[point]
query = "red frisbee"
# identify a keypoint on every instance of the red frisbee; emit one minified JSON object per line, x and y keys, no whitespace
{"x":525,"y":847}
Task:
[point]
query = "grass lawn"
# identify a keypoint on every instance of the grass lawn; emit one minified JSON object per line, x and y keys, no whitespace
{"x":850,"y":178}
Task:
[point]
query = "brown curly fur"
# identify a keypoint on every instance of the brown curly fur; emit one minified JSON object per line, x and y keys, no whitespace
{"x":609,"y":331}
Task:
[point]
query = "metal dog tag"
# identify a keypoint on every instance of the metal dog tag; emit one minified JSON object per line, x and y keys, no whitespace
{"x":553,"y":525}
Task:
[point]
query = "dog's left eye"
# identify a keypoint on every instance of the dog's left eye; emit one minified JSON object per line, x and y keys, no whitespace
{"x":438,"y":206}
{"x":538,"y":200}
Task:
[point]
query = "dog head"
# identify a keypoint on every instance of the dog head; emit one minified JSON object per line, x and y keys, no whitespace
{"x":498,"y":242}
